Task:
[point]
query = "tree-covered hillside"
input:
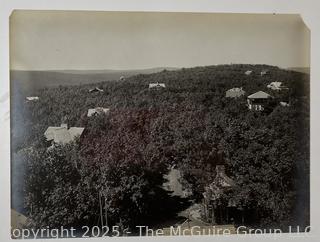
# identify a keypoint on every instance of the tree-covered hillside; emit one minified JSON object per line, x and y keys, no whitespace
{"x":123,"y":155}
{"x":28,"y":81}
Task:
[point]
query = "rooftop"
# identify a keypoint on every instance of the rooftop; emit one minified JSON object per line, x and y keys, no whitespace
{"x":259,"y":95}
{"x":156,"y":85}
{"x":97,"y":110}
{"x":62,"y":135}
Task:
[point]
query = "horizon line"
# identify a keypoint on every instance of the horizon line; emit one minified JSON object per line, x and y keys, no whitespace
{"x":150,"y":68}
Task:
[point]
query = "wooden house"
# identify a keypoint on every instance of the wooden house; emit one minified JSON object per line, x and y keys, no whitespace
{"x":264,"y":72}
{"x":97,"y":111}
{"x":235,"y":92}
{"x":157,"y":86}
{"x":95,"y":90}
{"x":276,"y":86}
{"x":32,"y":99}
{"x":215,"y":206}
{"x":258,"y":100}
{"x":284,"y":104}
{"x":62,"y":134}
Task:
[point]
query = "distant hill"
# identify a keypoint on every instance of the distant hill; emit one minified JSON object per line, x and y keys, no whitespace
{"x":300,"y":69}
{"x":124,"y":72}
{"x":29,"y":81}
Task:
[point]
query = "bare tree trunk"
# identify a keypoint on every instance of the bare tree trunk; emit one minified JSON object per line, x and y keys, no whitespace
{"x":242,"y":216}
{"x":100,"y":206}
{"x":106,"y":212}
{"x":213,"y":214}
{"x":227,"y":214}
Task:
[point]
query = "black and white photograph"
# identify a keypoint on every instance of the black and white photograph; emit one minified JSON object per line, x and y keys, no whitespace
{"x":136,"y":124}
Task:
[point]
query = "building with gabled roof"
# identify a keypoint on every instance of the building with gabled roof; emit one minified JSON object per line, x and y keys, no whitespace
{"x":96,"y":89}
{"x":277,"y":86}
{"x":264,"y":72}
{"x":30,"y":99}
{"x":213,"y":197}
{"x":61,"y":134}
{"x":256,"y":101}
{"x":259,"y":95}
{"x":157,"y":85}
{"x":235,"y":92}
{"x":97,"y":111}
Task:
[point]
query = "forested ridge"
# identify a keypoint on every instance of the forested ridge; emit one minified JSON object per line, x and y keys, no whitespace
{"x":123,"y":155}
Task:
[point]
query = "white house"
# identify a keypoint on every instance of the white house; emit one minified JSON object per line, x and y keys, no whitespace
{"x":97,"y":111}
{"x":277,"y":86}
{"x":157,"y":85}
{"x":248,"y":72}
{"x":284,"y":104}
{"x":264,"y":72}
{"x":61,"y":134}
{"x":30,"y":99}
{"x":235,"y":92}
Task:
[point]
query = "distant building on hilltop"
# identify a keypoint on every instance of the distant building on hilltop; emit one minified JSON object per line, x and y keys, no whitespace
{"x":264,"y":72}
{"x":30,"y":99}
{"x":97,"y":111}
{"x":284,"y":104}
{"x":235,"y":92}
{"x":277,"y":86}
{"x":248,"y":72}
{"x":156,"y":85}
{"x":257,"y":100}
{"x":96,"y":89}
{"x":62,"y":135}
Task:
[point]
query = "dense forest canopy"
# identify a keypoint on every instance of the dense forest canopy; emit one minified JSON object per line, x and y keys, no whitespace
{"x":123,"y":155}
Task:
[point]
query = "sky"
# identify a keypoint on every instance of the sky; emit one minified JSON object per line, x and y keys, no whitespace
{"x":89,"y":40}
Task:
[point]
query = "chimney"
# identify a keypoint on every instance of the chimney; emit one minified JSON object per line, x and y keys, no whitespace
{"x":64,"y":125}
{"x":64,"y":122}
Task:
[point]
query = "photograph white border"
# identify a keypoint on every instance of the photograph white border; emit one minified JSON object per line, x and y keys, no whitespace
{"x":309,"y":11}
